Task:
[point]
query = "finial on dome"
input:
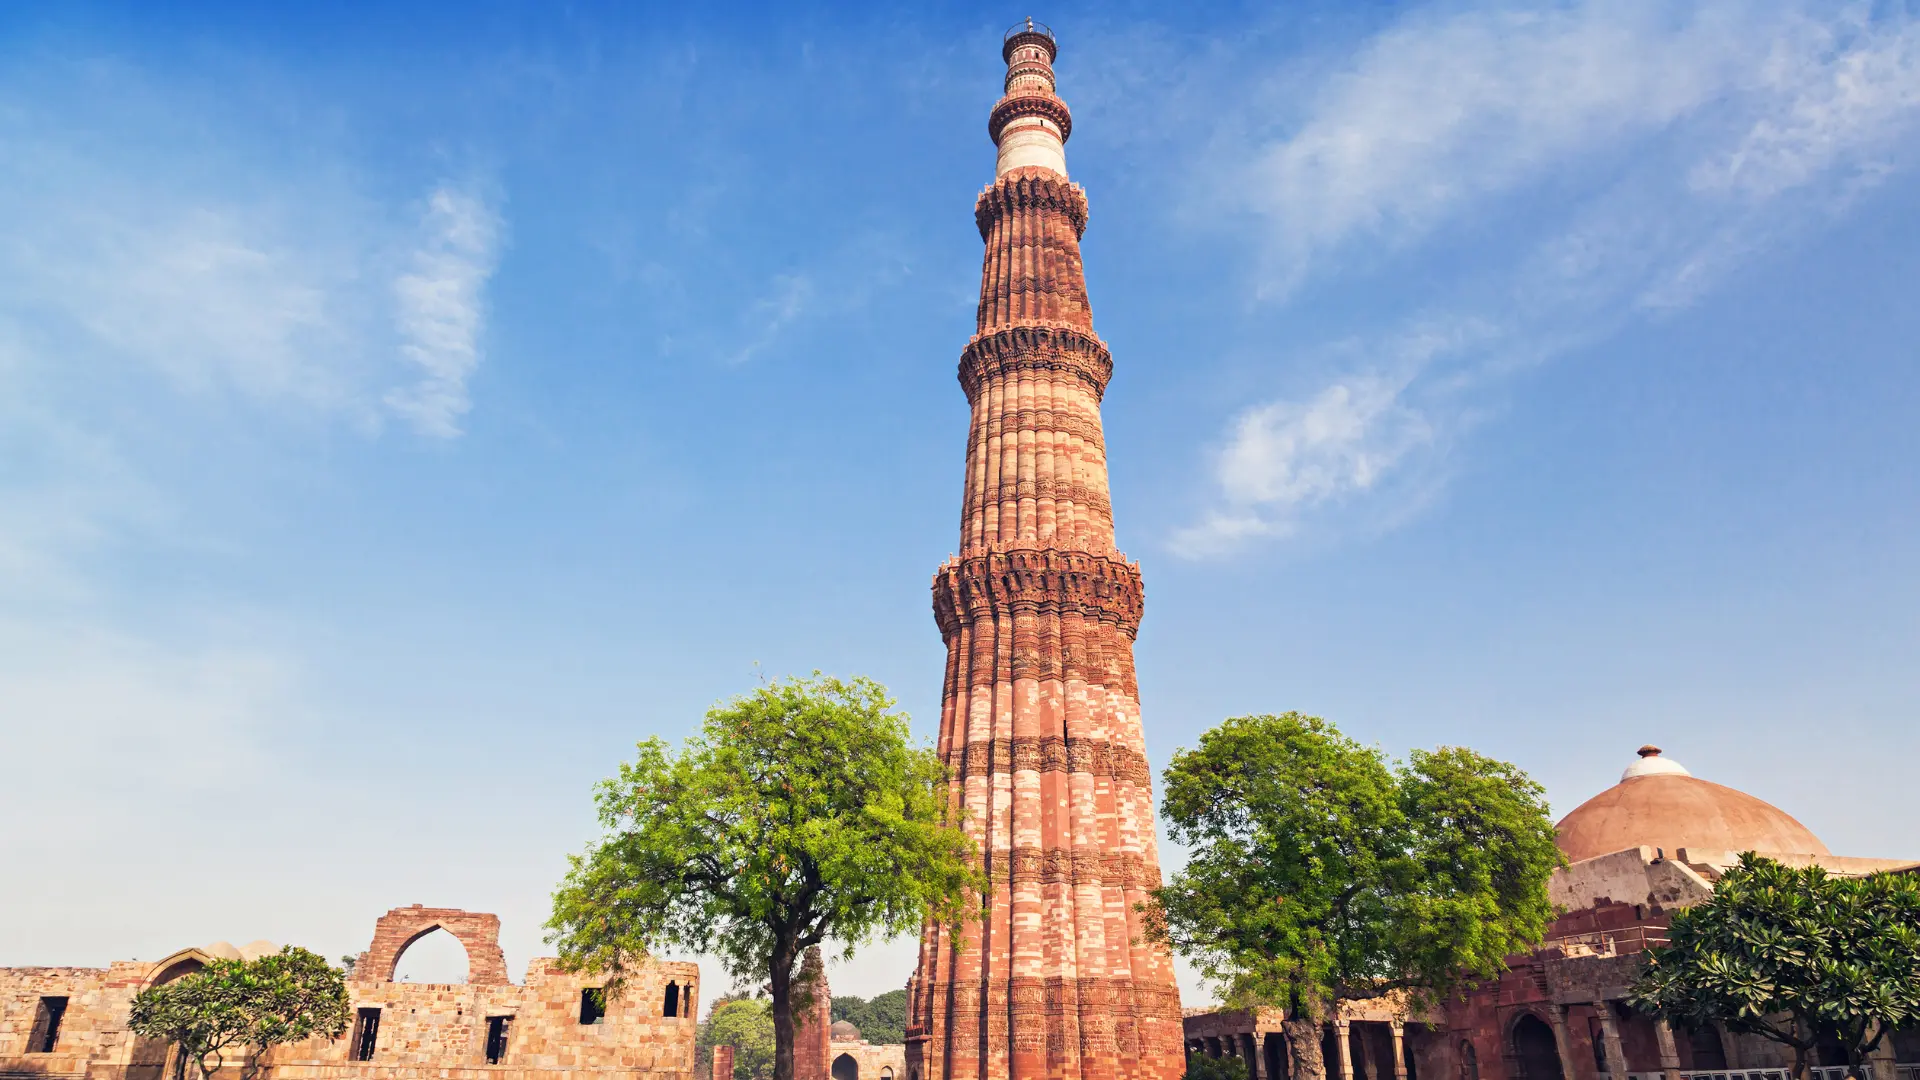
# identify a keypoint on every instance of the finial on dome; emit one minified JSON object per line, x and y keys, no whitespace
{"x":1652,"y":764}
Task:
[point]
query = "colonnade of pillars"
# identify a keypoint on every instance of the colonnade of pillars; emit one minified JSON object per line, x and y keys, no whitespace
{"x":1264,"y":1064}
{"x":1616,"y":1053}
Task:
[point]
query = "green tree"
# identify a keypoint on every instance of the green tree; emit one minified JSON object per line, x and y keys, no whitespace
{"x":800,"y":814}
{"x":1790,"y":954}
{"x":248,"y":1004}
{"x":881,"y":1021}
{"x":746,"y":1024}
{"x":1202,"y":1067}
{"x":1321,"y":872}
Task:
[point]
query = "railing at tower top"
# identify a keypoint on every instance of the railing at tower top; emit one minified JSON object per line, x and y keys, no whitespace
{"x":1027,"y":26}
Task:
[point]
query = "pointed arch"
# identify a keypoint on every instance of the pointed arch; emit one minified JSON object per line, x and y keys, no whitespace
{"x":423,"y":934}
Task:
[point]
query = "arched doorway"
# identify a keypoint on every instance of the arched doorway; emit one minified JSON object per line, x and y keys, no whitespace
{"x":1535,"y":1049}
{"x":845,"y":1068}
{"x":150,"y":1058}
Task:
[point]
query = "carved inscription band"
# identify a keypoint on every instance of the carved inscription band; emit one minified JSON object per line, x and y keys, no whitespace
{"x":1051,"y":753}
{"x":1072,"y":866}
{"x":1058,"y":994}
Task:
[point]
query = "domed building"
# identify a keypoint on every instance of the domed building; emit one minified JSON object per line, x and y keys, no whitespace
{"x":1659,"y":803}
{"x":1651,"y":844}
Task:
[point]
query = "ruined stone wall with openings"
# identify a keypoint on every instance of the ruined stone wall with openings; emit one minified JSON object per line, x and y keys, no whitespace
{"x":426,"y":1031}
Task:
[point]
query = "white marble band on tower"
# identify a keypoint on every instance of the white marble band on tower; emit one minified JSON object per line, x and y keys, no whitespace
{"x":1030,"y":124}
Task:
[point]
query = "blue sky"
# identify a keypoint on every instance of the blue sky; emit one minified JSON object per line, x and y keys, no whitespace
{"x":403,"y":412}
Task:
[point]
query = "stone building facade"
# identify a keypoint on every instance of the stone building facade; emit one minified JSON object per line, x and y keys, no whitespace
{"x":1646,"y":847}
{"x":854,"y":1058}
{"x":72,"y":1022}
{"x":1040,"y":716}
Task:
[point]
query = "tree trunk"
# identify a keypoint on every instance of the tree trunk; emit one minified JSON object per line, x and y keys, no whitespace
{"x":1305,"y":1061}
{"x":780,"y":985}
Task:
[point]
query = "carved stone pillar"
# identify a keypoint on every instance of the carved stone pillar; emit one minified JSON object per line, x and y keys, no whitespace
{"x":1610,"y":1034}
{"x":1669,"y":1053}
{"x":1256,"y":1068}
{"x":1399,"y":1031}
{"x":1880,"y":1063}
{"x":1563,"y":1041}
{"x":1342,"y":1031}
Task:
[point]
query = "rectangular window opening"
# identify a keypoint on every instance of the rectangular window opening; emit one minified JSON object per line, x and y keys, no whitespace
{"x":497,"y":1038}
{"x":593,"y":1004}
{"x":46,"y":1025}
{"x":366,"y":1034}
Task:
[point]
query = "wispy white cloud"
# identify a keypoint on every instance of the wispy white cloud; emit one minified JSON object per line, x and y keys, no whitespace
{"x":1722,"y":132}
{"x":1349,"y":439}
{"x":1837,"y":91}
{"x":172,"y":238}
{"x":109,"y":264}
{"x":787,"y":299}
{"x":441,"y":308}
{"x":167,"y":265}
{"x":1441,"y":110}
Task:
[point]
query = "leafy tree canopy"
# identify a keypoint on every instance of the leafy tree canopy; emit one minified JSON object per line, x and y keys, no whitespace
{"x":1790,"y":954}
{"x":881,"y":1021}
{"x":1323,"y":872}
{"x":248,"y":1004}
{"x":800,"y":814}
{"x":1202,"y":1067}
{"x":746,"y":1024}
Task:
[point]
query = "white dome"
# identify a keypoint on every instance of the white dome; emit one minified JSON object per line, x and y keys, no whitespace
{"x":1652,"y":764}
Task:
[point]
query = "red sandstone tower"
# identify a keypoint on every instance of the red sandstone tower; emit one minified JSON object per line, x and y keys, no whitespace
{"x":1040,"y":721}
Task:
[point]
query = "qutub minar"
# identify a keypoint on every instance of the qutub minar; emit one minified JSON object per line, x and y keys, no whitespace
{"x":1040,"y":719}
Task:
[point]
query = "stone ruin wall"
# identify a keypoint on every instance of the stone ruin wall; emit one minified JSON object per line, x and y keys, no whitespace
{"x":93,"y":1027}
{"x":868,"y":1061}
{"x":426,"y":1030}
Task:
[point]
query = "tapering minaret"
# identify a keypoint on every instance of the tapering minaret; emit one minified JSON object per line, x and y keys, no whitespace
{"x":1040,"y":720}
